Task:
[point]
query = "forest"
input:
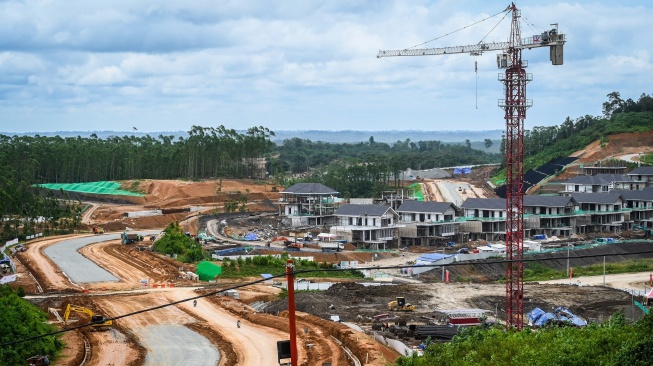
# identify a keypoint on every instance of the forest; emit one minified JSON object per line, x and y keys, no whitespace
{"x":360,"y":169}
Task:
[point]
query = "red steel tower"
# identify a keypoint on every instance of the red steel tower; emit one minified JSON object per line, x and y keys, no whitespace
{"x":515,"y":104}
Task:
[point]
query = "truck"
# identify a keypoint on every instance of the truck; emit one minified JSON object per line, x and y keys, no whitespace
{"x":98,"y":322}
{"x":331,"y":246}
{"x":98,"y":230}
{"x":130,"y":238}
{"x":400,"y":305}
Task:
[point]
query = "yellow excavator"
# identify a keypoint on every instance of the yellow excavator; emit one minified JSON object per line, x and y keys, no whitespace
{"x":401,"y":305}
{"x":98,"y":321}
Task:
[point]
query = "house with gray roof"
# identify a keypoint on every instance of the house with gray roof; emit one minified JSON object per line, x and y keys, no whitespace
{"x":640,"y":204}
{"x":600,"y":212}
{"x":599,"y":183}
{"x":308,"y":204}
{"x":483,"y":218}
{"x":427,"y":222}
{"x":367,"y":226}
{"x":642,"y":176}
{"x":549,"y":215}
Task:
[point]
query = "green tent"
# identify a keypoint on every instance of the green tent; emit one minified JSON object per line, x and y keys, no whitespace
{"x":207,"y":271}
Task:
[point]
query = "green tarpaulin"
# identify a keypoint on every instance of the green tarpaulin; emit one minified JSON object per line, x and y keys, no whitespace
{"x":207,"y":271}
{"x":103,"y":187}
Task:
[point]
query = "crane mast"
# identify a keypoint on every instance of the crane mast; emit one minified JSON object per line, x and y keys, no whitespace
{"x":515,"y":105}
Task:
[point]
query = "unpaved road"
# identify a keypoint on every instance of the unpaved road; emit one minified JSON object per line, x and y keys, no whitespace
{"x":638,"y":282}
{"x":254,"y":344}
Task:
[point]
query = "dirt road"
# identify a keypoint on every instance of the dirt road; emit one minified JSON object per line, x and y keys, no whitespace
{"x":639,"y":281}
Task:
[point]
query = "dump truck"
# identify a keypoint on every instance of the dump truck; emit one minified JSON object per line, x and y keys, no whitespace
{"x":98,"y":230}
{"x":400,"y":305}
{"x":98,"y":321}
{"x":331,"y":246}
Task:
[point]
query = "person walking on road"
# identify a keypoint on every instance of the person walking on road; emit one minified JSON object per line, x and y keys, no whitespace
{"x":194,"y":303}
{"x":238,"y":323}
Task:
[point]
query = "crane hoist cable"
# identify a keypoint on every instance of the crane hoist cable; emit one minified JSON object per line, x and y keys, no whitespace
{"x":458,"y":30}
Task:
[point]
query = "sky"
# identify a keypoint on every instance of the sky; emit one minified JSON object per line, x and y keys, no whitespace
{"x":79,"y":65}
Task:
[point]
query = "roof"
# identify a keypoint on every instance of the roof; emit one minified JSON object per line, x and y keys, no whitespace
{"x":485,"y":203}
{"x":634,"y":195}
{"x":424,"y":206}
{"x":309,"y":188}
{"x":266,"y":275}
{"x":599,"y":179}
{"x":547,"y":201}
{"x":642,"y":170}
{"x":432,"y":257}
{"x":606,"y":198}
{"x":435,"y":173}
{"x":362,"y":210}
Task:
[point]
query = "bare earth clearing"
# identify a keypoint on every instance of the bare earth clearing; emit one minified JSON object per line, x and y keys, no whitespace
{"x":214,"y":318}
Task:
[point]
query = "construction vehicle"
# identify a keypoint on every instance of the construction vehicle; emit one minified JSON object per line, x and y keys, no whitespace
{"x":98,"y":321}
{"x":400,"y":305}
{"x":38,"y":361}
{"x":98,"y":230}
{"x":647,"y":231}
{"x":130,"y":238}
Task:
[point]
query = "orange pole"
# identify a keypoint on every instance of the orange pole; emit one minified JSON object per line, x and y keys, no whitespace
{"x":291,"y":311}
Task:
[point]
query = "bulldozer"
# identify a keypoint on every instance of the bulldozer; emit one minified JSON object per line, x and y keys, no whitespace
{"x":400,"y":305}
{"x":98,"y":321}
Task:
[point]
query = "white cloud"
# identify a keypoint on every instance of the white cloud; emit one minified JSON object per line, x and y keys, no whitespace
{"x":283,"y":63}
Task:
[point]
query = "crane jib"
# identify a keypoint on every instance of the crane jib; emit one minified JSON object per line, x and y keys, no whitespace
{"x":476,"y":49}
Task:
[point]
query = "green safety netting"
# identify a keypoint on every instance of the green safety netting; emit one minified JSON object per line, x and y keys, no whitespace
{"x":103,"y":187}
{"x":417,"y":188}
{"x":207,"y":271}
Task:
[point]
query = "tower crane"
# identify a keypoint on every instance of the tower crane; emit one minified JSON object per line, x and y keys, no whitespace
{"x":514,"y":104}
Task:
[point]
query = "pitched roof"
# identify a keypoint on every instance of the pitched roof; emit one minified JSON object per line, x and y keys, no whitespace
{"x":641,"y":170}
{"x":309,"y":188}
{"x":634,"y":195}
{"x":428,"y":206}
{"x":485,"y":203}
{"x":605,"y":198}
{"x":547,"y":201}
{"x":599,"y":179}
{"x":362,"y":210}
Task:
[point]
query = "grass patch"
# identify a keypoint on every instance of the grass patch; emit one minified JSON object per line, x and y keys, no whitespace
{"x":250,"y":267}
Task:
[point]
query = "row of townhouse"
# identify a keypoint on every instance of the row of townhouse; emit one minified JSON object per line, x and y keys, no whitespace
{"x":574,"y":211}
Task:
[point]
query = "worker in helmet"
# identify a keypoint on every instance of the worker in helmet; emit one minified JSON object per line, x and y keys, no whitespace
{"x":238,"y":323}
{"x":194,"y":303}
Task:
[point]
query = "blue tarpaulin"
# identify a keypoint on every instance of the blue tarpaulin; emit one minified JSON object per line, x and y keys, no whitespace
{"x":457,"y":170}
{"x":251,"y":236}
{"x":539,"y":318}
{"x":467,"y":170}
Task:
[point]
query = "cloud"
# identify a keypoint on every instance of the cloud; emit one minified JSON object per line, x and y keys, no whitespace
{"x":284,"y":64}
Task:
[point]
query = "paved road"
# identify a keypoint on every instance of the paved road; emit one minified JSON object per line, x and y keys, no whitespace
{"x":77,"y":267}
{"x":176,"y":345}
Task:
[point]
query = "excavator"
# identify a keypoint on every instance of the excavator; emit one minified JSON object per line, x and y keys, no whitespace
{"x":647,"y":231}
{"x":98,"y":321}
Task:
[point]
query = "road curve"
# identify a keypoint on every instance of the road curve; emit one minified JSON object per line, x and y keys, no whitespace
{"x":78,"y":268}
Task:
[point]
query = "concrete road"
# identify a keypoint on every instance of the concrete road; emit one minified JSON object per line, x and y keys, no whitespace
{"x":173,"y":345}
{"x":77,"y":267}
